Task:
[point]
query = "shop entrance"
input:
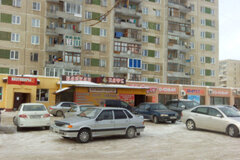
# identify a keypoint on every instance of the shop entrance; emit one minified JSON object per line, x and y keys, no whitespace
{"x":139,"y":99}
{"x":20,"y":98}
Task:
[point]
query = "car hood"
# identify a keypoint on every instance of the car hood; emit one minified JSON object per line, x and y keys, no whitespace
{"x":73,"y":119}
{"x":235,"y":119}
{"x":165,"y":111}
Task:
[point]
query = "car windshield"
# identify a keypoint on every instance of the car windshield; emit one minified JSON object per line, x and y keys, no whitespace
{"x":34,"y":108}
{"x":83,"y":108}
{"x":158,"y":107}
{"x":190,"y":104}
{"x":230,"y":112}
{"x":90,"y":113}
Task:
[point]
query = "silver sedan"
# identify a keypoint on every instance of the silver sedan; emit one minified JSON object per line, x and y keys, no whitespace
{"x":77,"y":109}
{"x":215,"y":118}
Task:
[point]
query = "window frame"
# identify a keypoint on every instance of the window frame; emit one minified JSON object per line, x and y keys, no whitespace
{"x":37,"y":5}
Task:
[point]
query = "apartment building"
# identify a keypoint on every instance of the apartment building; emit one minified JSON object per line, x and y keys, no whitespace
{"x":164,"y":41}
{"x":229,"y":71}
{"x":21,"y":39}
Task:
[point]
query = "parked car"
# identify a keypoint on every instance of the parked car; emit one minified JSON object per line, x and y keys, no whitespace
{"x":156,"y":112}
{"x":178,"y":105}
{"x":77,"y":109}
{"x":215,"y":118}
{"x":99,"y":121}
{"x":32,"y":115}
{"x":116,"y":103}
{"x":61,"y":108}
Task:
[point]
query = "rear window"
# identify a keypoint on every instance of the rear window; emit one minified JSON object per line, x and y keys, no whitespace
{"x":119,"y":114}
{"x":34,"y":108}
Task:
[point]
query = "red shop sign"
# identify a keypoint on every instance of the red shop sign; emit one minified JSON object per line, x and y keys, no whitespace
{"x":22,"y":80}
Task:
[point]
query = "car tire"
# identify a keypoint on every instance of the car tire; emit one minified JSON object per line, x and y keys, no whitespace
{"x":19,"y":128}
{"x":190,"y":124}
{"x":59,"y":113}
{"x":155,"y":119}
{"x":131,"y":132}
{"x":46,"y":127}
{"x":83,"y":136}
{"x":14,"y":121}
{"x":233,"y":131}
{"x":173,"y":121}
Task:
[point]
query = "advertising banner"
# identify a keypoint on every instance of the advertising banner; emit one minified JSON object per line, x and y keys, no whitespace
{"x":22,"y":80}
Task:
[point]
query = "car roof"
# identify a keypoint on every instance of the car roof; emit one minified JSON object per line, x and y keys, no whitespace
{"x":107,"y":108}
{"x":150,"y":103}
{"x":32,"y":104}
{"x":214,"y":106}
{"x":180,"y":100}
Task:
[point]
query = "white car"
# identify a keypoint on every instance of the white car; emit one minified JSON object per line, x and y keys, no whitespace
{"x":32,"y":115}
{"x":215,"y":118}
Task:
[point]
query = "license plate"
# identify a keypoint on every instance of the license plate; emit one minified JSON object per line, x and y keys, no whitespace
{"x":35,"y":116}
{"x":173,"y":117}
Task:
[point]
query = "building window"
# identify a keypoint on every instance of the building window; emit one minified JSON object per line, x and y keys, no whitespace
{"x":202,"y":59}
{"x":192,"y":71}
{"x":202,"y":72}
{"x":35,"y":40}
{"x":102,"y":63}
{"x":157,"y":54}
{"x":87,"y":62}
{"x":88,"y":15}
{"x":13,"y":71}
{"x":36,"y":6}
{"x":16,"y":3}
{"x":157,"y":80}
{"x":157,"y":13}
{"x":192,"y":20}
{"x":42,"y":95}
{"x":34,"y":57}
{"x":16,"y":19}
{"x":87,"y":46}
{"x":157,"y":67}
{"x":144,"y":66}
{"x":35,"y":22}
{"x":87,"y":30}
{"x":14,"y":55}
{"x":145,"y":10}
{"x":192,"y":7}
{"x":15,"y":37}
{"x":192,"y":45}
{"x":34,"y":72}
{"x":144,"y":79}
{"x":103,"y":32}
{"x":103,"y":48}
{"x":134,"y":63}
{"x":104,"y":3}
{"x":120,"y":62}
{"x":191,"y":58}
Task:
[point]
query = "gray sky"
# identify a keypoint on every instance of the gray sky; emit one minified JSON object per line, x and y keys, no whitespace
{"x":229,"y":29}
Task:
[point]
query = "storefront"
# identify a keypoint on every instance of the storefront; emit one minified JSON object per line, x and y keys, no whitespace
{"x":219,"y":96}
{"x":15,"y":90}
{"x":195,"y":93}
{"x":166,"y":93}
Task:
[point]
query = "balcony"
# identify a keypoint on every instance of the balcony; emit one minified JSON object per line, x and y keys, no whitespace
{"x":128,"y":55}
{"x":64,"y":15}
{"x":184,"y":35}
{"x":182,"y":8}
{"x":51,"y":32}
{"x":62,"y":47}
{"x":179,"y":20}
{"x":178,"y":74}
{"x":178,"y":61}
{"x":126,"y":70}
{"x":65,"y":65}
{"x":128,"y":12}
{"x":178,"y":47}
{"x":126,"y":25}
{"x":55,"y":1}
{"x":128,"y":40}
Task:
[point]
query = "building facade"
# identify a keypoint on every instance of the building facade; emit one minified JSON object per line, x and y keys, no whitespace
{"x":229,"y":71}
{"x":163,"y":41}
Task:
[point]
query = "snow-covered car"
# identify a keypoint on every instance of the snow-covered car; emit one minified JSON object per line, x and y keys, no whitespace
{"x":32,"y":115}
{"x":61,"y":108}
{"x":77,"y":109}
{"x":99,"y":121}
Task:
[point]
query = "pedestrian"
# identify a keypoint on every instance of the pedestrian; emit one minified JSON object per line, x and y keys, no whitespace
{"x":235,"y":105}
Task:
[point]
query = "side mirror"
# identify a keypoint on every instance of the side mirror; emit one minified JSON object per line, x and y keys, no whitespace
{"x":219,"y":115}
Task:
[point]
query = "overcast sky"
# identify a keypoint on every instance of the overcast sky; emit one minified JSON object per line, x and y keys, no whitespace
{"x":229,"y":40}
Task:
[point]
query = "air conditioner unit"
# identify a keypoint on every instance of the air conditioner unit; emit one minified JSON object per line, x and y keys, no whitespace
{"x":183,"y":93}
{"x":210,"y":91}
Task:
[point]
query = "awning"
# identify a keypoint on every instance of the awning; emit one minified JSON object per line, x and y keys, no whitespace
{"x":61,"y":90}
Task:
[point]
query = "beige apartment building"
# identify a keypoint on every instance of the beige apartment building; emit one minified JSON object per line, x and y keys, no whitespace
{"x":229,"y":71}
{"x":164,"y":41}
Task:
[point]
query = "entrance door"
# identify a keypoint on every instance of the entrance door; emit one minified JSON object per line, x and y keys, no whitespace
{"x":20,"y":98}
{"x":139,"y":99}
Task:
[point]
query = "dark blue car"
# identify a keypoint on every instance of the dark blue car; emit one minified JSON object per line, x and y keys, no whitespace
{"x":156,"y":112}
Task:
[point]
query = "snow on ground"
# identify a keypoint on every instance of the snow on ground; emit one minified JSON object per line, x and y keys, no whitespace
{"x":158,"y":141}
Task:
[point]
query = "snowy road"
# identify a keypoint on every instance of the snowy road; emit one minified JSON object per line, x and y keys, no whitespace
{"x":158,"y":141}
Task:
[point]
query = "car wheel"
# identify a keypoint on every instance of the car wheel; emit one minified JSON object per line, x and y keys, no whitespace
{"x":19,"y":128}
{"x":173,"y":121}
{"x":233,"y":131}
{"x":59,"y":113}
{"x":130,"y":133}
{"x":190,"y":124}
{"x":84,"y":136}
{"x":155,"y":119}
{"x":46,"y":127}
{"x":14,"y":121}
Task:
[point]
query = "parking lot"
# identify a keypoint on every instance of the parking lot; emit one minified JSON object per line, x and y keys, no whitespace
{"x":158,"y":141}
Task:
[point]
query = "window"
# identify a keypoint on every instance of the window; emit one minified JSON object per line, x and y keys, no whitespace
{"x":42,"y":95}
{"x":16,"y":3}
{"x":213,"y":112}
{"x":157,"y":40}
{"x":16,"y":19}
{"x":106,"y":115}
{"x":202,"y":72}
{"x":201,"y":110}
{"x":202,"y":59}
{"x":157,"y":54}
{"x":144,"y":66}
{"x":145,"y":24}
{"x":192,"y":58}
{"x":192,"y":45}
{"x":157,"y":13}
{"x":134,"y":63}
{"x":144,"y":52}
{"x":15,"y":37}
{"x":145,"y":38}
{"x":87,"y":62}
{"x":192,"y":7}
{"x":0,"y":93}
{"x":102,"y":63}
{"x":34,"y":72}
{"x":144,"y":79}
{"x":87,"y":46}
{"x":87,"y":30}
{"x":103,"y":48}
{"x":120,"y":62}
{"x":103,"y":32}
{"x":14,"y":55}
{"x":35,"y":40}
{"x":145,"y":10}
{"x":88,"y":15}
{"x":72,"y":8}
{"x":128,"y":114}
{"x":157,"y":67}
{"x":35,"y":22}
{"x":158,"y":27}
{"x":36,"y":6}
{"x":13,"y":71}
{"x":192,"y":20}
{"x":157,"y":80}
{"x":104,"y":3}
{"x":192,"y":71}
{"x":119,"y":114}
{"x":202,"y":34}
{"x":34,"y":57}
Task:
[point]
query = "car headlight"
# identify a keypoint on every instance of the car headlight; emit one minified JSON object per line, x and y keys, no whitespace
{"x":67,"y":126}
{"x":164,"y":115}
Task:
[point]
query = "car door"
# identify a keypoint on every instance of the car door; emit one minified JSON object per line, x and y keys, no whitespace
{"x":200,"y":116}
{"x":104,"y":124}
{"x":143,"y":110}
{"x":121,"y":121}
{"x":216,"y":121}
{"x":173,"y":106}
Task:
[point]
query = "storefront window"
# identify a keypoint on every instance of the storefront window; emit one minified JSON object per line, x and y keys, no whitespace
{"x":42,"y":95}
{"x":163,"y":98}
{"x":219,"y":101}
{"x":0,"y":93}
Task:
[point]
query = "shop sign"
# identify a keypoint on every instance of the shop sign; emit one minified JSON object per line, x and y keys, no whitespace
{"x":76,"y":78}
{"x":215,"y":92}
{"x":103,"y":90}
{"x":194,"y":98}
{"x":129,"y":98}
{"x":22,"y":80}
{"x":109,"y":80}
{"x":169,"y":90}
{"x":149,"y":90}
{"x":194,"y":91}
